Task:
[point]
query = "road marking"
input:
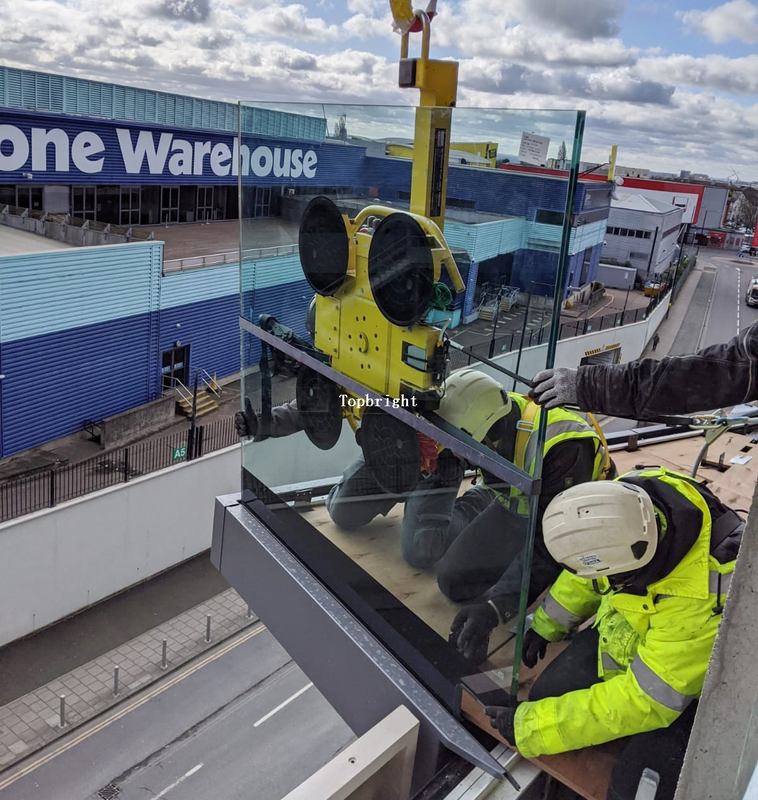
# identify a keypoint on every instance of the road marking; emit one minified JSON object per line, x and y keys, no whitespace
{"x":282,"y":705}
{"x":739,"y":296}
{"x":602,"y":308}
{"x":127,"y":709}
{"x":176,"y":783}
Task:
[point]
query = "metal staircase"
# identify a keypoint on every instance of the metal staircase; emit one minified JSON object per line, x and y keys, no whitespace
{"x":208,"y":395}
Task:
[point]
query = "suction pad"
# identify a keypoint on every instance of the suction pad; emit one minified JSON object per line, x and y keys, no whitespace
{"x":324,"y":248}
{"x":318,"y":401}
{"x":401,"y":269}
{"x":391,"y":450}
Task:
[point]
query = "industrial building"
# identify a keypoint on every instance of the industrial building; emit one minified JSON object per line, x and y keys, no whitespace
{"x":644,"y":233}
{"x":113,"y":323}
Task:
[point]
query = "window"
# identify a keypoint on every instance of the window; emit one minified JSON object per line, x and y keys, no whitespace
{"x":30,"y":197}
{"x":130,"y":205}
{"x":83,"y":202}
{"x":545,"y":217}
{"x":170,"y":204}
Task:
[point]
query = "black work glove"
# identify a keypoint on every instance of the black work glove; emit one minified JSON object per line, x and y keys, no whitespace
{"x":534,"y":648}
{"x":246,"y":422}
{"x":471,"y":629}
{"x":502,"y":720}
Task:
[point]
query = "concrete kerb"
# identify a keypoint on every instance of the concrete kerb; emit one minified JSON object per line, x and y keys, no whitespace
{"x":31,"y":722}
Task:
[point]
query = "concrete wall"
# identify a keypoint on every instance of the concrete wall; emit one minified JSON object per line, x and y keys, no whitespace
{"x":59,"y":561}
{"x":723,"y":747}
{"x":632,"y":340}
{"x":137,"y":422}
{"x":75,"y":235}
{"x":616,"y":277}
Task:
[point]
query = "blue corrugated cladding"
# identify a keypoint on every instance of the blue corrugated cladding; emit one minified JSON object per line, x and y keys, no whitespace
{"x":78,"y":339}
{"x":56,"y":381}
{"x":210,"y":328}
{"x":43,"y":91}
{"x":337,"y":165}
{"x":65,"y":289}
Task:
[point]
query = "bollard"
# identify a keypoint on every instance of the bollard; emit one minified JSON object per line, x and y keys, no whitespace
{"x":115,"y":680}
{"x":62,"y":723}
{"x":164,"y":662}
{"x":207,"y":627}
{"x":249,"y":612}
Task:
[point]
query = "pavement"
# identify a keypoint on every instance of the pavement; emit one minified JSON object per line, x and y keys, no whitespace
{"x":239,"y":721}
{"x":40,"y":658}
{"x":33,"y":720}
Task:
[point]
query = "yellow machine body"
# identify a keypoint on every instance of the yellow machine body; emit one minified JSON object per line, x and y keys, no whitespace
{"x":389,"y":359}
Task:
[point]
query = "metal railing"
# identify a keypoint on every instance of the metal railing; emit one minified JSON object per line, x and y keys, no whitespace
{"x":48,"y":488}
{"x":511,"y":342}
{"x":198,"y":262}
{"x":227,"y":257}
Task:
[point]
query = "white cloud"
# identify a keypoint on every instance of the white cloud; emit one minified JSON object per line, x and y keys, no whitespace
{"x":666,"y":111}
{"x":737,"y":19}
{"x":594,"y":17}
{"x":712,"y":72}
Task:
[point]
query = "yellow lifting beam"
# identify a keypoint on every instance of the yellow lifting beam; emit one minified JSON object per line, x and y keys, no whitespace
{"x":437,"y":82}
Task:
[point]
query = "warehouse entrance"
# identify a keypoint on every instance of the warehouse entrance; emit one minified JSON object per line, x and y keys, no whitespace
{"x":174,"y":367}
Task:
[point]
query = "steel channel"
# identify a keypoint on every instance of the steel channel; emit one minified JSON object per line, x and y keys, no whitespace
{"x":459,"y":443}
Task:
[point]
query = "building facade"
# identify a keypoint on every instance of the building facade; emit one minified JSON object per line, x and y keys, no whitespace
{"x":103,"y":153}
{"x":644,"y":234}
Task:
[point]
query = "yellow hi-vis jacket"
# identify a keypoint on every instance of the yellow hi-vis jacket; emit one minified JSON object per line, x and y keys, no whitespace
{"x":653,"y":649}
{"x":562,"y":426}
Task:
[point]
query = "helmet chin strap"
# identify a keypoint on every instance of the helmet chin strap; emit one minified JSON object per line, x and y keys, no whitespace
{"x":598,"y":590}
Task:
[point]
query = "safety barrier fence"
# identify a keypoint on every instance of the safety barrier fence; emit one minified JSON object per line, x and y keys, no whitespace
{"x":49,"y":487}
{"x":515,"y":340}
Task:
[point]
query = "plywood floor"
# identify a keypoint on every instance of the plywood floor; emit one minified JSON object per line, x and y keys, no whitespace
{"x":376,"y":548}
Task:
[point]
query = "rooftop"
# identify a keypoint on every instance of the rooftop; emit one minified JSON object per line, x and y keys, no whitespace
{"x":14,"y":242}
{"x":638,"y":202}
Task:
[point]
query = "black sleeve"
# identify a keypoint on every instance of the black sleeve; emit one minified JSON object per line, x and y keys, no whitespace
{"x":718,"y":376}
{"x":566,"y":464}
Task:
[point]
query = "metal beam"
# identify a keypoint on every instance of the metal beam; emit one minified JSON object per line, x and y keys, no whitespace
{"x":460,"y":443}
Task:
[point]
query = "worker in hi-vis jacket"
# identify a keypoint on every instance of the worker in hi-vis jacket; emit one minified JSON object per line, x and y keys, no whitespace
{"x":651,"y":554}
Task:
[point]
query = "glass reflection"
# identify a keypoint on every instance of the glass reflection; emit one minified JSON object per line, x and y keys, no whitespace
{"x":386,"y":356}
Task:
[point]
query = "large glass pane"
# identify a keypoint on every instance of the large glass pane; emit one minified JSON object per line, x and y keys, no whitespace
{"x":384,"y":252}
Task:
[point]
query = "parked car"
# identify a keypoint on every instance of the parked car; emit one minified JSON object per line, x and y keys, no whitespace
{"x":751,"y":295}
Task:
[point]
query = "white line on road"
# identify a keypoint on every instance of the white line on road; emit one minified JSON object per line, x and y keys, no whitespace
{"x":282,"y":705}
{"x":739,"y":296}
{"x":184,"y":777}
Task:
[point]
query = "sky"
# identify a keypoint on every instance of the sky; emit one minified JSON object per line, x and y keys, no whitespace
{"x":673,"y":82}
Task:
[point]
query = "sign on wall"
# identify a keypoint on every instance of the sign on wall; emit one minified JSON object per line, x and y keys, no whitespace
{"x":55,"y":148}
{"x":533,"y":149}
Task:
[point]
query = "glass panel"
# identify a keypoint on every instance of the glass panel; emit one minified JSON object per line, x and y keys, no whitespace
{"x":400,"y":480}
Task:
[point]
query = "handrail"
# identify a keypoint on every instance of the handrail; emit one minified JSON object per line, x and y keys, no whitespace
{"x":180,"y":389}
{"x":210,"y":382}
{"x":227,"y":257}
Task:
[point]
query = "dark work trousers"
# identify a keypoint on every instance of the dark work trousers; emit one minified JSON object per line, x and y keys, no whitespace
{"x":661,"y":750}
{"x":489,"y":551}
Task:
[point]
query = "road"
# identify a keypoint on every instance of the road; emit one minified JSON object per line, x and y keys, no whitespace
{"x":242,"y":722}
{"x":729,"y":313}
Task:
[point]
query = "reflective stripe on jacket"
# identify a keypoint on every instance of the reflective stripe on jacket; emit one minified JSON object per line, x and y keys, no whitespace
{"x":562,"y":426}
{"x":653,"y":649}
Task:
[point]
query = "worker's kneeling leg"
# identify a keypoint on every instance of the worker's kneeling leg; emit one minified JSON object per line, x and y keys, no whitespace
{"x":426,"y":532}
{"x":662,"y":751}
{"x":357,"y":498}
{"x":575,"y":668}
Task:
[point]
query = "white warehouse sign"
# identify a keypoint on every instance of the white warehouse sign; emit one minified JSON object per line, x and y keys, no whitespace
{"x":46,"y":150}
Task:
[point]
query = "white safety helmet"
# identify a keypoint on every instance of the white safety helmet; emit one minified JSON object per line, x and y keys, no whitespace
{"x":601,"y":528}
{"x":473,"y":402}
